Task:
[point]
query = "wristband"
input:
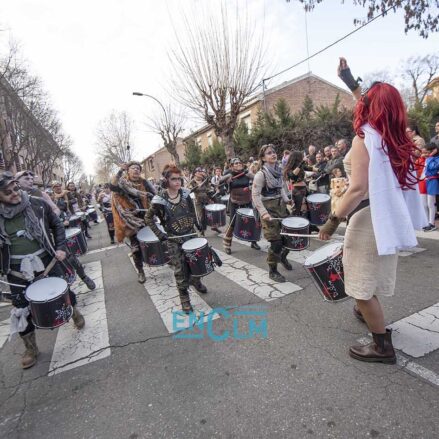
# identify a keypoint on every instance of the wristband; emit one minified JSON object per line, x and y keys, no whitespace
{"x":348,"y":79}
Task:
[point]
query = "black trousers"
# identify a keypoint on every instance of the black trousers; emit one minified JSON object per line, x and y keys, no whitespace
{"x":17,"y":294}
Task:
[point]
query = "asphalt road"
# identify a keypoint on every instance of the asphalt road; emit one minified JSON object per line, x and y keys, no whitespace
{"x":132,"y":378}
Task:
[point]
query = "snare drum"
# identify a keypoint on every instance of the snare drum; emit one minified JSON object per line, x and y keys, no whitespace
{"x":49,"y":302}
{"x":75,"y":221}
{"x":154,"y":252}
{"x":76,"y":242}
{"x":92,"y":214}
{"x":198,"y":256}
{"x":215,"y":215}
{"x":225,"y":200}
{"x":319,"y":206}
{"x":295,"y":225}
{"x":326,"y":268}
{"x":246,"y":227}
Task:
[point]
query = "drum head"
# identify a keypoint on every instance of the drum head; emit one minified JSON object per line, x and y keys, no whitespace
{"x":215,"y":207}
{"x":323,"y":254}
{"x":72,"y":232}
{"x":74,"y":218}
{"x":147,"y":235}
{"x":295,"y":222}
{"x":91,"y":210}
{"x":245,"y":211}
{"x":46,"y":289}
{"x":225,"y":197}
{"x":194,"y":243}
{"x":318,"y":198}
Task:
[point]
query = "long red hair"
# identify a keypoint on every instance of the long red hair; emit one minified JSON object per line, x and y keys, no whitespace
{"x":382,"y":107}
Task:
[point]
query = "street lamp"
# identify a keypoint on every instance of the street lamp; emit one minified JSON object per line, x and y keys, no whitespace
{"x":136,"y":93}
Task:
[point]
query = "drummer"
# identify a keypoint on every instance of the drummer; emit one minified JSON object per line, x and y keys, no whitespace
{"x":202,"y":189}
{"x":269,"y":195}
{"x":131,"y":195}
{"x":239,"y":184}
{"x":104,"y":200}
{"x":26,"y":181}
{"x":176,"y":211}
{"x":26,"y":250}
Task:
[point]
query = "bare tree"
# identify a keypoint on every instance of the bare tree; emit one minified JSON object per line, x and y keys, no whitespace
{"x":103,"y":171}
{"x":218,"y":63}
{"x":114,"y":139}
{"x":168,"y":125}
{"x":420,"y":70}
{"x":72,"y":166}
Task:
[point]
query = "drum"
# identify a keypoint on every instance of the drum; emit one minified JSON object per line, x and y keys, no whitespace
{"x":154,"y":252}
{"x":215,"y":215}
{"x":198,"y":256}
{"x":76,"y":242}
{"x":246,"y":227}
{"x":326,"y":268}
{"x":319,"y":206}
{"x":92,"y":214}
{"x":75,"y":221}
{"x":225,"y":200}
{"x":49,"y":302}
{"x":296,"y":225}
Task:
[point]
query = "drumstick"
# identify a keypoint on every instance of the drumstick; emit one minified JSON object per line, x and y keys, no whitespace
{"x":182,"y":236}
{"x":14,"y":285}
{"x":297,"y":235}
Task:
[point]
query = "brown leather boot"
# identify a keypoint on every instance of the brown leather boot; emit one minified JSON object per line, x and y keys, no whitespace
{"x":78,"y":318}
{"x":185,"y":300}
{"x":29,"y":358}
{"x":380,"y":350}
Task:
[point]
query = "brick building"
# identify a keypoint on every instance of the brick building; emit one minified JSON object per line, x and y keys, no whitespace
{"x":321,"y":92}
{"x":21,"y":136}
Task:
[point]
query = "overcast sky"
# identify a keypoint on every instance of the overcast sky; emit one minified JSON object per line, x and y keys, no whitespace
{"x":92,"y":54}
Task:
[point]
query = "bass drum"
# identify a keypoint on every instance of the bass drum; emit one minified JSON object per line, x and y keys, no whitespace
{"x":246,"y":227}
{"x":49,"y":302}
{"x":76,"y":242}
{"x":326,"y":268}
{"x":154,"y":252}
{"x":215,"y":215}
{"x":198,"y":257}
{"x":295,"y":225}
{"x":319,"y":206}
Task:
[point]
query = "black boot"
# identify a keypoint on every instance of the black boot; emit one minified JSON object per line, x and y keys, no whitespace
{"x":284,"y":261}
{"x":196,"y":283}
{"x":275,"y":275}
{"x":141,"y":276}
{"x":380,"y":350}
{"x":255,"y":245}
{"x":185,"y":300}
{"x":89,"y":282}
{"x":111,"y":233}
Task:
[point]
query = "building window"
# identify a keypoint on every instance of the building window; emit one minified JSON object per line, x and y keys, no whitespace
{"x":246,"y":120}
{"x":151,"y":164}
{"x":198,"y":141}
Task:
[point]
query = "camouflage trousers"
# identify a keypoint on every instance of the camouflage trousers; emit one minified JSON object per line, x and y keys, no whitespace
{"x":277,"y":209}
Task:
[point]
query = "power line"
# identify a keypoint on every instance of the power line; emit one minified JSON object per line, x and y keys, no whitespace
{"x":327,"y":47}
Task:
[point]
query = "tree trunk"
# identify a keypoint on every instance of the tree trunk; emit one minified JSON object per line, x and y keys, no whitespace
{"x":173,"y":151}
{"x":227,"y":139}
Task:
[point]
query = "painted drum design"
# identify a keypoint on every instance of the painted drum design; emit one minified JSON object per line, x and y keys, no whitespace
{"x":319,"y":206}
{"x":246,"y":227}
{"x":326,"y":268}
{"x":76,"y":242}
{"x":49,"y":302}
{"x":215,"y":215}
{"x":154,"y":252}
{"x":295,"y":225}
{"x":198,"y":256}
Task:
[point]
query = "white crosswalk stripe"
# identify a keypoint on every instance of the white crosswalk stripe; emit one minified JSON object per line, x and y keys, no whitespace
{"x":254,"y":279}
{"x":72,"y":344}
{"x":161,"y":287}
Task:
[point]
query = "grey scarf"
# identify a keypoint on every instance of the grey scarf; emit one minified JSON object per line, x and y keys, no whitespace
{"x":273,"y":176}
{"x":33,"y":227}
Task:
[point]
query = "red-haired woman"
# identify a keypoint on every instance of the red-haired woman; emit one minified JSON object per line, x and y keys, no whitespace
{"x":383,"y":207}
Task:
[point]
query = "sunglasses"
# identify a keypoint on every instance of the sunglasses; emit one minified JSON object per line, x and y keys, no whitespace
{"x":27,"y":174}
{"x":8,"y":192}
{"x":175,"y":179}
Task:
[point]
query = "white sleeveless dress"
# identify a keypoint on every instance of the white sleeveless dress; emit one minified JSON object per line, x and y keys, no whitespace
{"x":365,"y":272}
